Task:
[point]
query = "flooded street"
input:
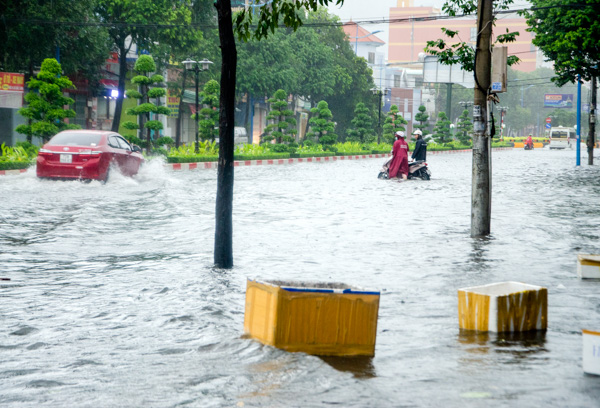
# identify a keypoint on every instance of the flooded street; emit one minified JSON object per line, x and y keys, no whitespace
{"x":113,"y":300}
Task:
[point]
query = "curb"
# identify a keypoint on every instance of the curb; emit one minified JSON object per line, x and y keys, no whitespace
{"x":12,"y":172}
{"x":239,"y":163}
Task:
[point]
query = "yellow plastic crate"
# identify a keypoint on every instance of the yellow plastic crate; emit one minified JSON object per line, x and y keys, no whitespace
{"x":331,"y":319}
{"x":503,"y":307}
{"x":588,"y":266}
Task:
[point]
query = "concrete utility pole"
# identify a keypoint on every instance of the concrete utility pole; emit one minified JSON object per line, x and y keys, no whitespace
{"x":592,"y":134}
{"x":481,"y":189}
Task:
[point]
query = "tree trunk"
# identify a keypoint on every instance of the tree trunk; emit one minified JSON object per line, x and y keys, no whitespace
{"x":121,"y":87}
{"x":592,"y":131}
{"x":481,"y":194}
{"x":179,"y":114}
{"x":223,"y":256}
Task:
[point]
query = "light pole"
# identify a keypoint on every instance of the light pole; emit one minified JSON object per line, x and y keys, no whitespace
{"x":523,"y":89}
{"x":502,"y":110}
{"x":356,"y":38}
{"x":197,"y":66}
{"x":380,"y":93}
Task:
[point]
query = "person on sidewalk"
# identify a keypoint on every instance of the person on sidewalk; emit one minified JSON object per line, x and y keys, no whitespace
{"x":420,"y":152}
{"x":399,"y":164}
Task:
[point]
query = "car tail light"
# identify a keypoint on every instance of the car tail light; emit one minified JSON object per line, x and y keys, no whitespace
{"x":88,"y":154}
{"x":45,"y":152}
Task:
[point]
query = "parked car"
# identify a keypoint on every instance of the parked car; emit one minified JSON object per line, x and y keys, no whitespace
{"x":87,"y":155}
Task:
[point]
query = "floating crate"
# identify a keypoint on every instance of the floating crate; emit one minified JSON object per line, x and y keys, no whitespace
{"x":591,"y":352}
{"x":331,"y":319}
{"x":503,"y":307}
{"x":588,"y":266}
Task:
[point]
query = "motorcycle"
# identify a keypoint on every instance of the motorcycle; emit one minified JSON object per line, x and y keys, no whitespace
{"x":528,"y":146}
{"x":416,"y":170}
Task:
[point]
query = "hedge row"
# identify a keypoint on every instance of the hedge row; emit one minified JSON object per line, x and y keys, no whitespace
{"x":320,"y":154}
{"x":14,"y":165}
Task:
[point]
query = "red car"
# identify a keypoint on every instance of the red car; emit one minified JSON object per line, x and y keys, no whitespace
{"x":87,"y":155}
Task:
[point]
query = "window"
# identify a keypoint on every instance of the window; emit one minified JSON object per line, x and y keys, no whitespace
{"x":123,"y":143}
{"x":397,"y":81}
{"x":113,"y":142}
{"x":371,"y":58}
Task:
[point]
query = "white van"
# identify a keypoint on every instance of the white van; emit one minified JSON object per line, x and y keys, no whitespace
{"x":562,"y":137}
{"x":240,"y":136}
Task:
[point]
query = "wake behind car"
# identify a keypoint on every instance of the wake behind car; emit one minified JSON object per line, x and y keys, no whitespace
{"x":87,"y":155}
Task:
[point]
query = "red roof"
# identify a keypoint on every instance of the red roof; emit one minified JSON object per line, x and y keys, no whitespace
{"x":350,"y":30}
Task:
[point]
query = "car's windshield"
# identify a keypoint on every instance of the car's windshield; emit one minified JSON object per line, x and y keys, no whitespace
{"x":559,"y":135}
{"x":75,"y":139}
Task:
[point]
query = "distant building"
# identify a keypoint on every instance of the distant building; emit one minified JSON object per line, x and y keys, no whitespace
{"x":408,"y":38}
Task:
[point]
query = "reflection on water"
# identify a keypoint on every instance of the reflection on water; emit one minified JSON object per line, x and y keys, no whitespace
{"x":359,"y":367}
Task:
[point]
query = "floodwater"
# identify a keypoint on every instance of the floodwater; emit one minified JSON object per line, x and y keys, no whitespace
{"x":113,"y":300}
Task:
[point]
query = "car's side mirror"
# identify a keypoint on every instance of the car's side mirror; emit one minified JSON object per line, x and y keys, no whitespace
{"x":136,"y":148}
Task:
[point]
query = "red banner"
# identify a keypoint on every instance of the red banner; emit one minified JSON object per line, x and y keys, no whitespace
{"x":12,"y":82}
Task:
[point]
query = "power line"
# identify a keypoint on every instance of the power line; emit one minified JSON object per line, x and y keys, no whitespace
{"x":117,"y":24}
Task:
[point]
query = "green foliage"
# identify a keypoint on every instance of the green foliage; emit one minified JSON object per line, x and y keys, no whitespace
{"x":145,"y":65}
{"x":165,"y":140}
{"x":349,"y":148}
{"x":282,"y":128}
{"x":45,"y":103}
{"x":249,"y":23}
{"x":464,"y":128}
{"x":441,"y":131}
{"x":209,"y":115}
{"x":83,"y":48}
{"x":134,"y":139}
{"x":322,"y":127}
{"x":450,"y":52}
{"x":393,"y":123}
{"x":315,"y":63}
{"x":362,"y":123}
{"x":423,"y":118}
{"x":568,"y":36}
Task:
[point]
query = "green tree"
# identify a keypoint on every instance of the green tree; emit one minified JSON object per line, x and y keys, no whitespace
{"x":567,"y":32}
{"x":145,"y":67}
{"x":362,"y":130}
{"x":441,"y":131}
{"x":393,"y":123}
{"x":282,"y":128}
{"x":46,"y":103}
{"x":423,"y":118}
{"x":464,"y":128}
{"x":321,"y":126}
{"x":26,"y":38}
{"x":134,"y":22}
{"x":209,"y":114}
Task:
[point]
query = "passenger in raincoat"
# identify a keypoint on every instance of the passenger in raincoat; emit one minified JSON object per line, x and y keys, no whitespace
{"x":529,"y":141}
{"x":399,"y":164}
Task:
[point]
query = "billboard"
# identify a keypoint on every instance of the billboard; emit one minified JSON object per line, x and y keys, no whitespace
{"x":558,"y":100}
{"x":11,"y":90}
{"x":173,"y":103}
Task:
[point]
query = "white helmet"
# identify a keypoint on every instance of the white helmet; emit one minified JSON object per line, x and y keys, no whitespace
{"x":399,"y":133}
{"x":418,"y":132}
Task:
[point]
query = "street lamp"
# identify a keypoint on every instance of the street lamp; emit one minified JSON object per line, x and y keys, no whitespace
{"x":356,"y":38}
{"x":197,"y":66}
{"x":523,"y":89}
{"x":380,"y":93}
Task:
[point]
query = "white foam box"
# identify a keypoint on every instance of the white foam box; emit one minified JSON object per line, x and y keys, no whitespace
{"x":503,"y":307}
{"x":588,"y":266}
{"x":591,"y":352}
